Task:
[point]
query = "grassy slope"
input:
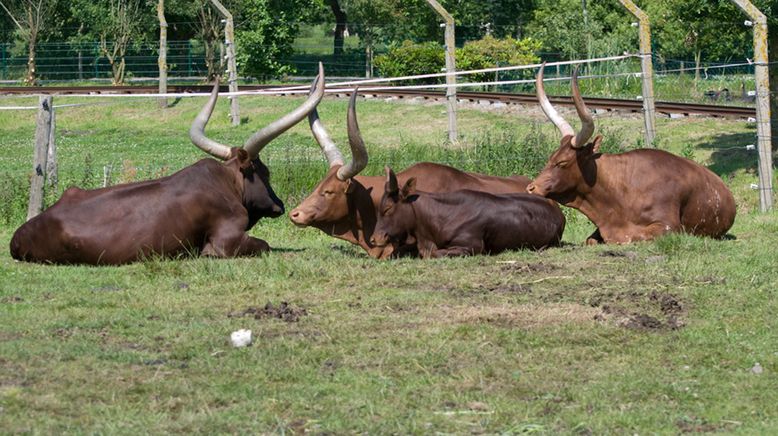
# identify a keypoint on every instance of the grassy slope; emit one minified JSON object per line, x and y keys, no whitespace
{"x":654,"y":337}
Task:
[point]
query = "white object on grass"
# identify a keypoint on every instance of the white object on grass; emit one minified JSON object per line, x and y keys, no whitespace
{"x":240,"y":338}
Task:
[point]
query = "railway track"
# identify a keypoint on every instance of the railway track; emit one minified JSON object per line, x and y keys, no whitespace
{"x":604,"y":104}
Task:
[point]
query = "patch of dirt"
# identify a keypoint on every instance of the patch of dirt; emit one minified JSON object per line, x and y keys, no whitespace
{"x":283,"y":311}
{"x":525,"y":316}
{"x":694,"y":424}
{"x":526,"y":268}
{"x":657,"y":311}
{"x":506,"y":288}
{"x":11,"y":299}
{"x":613,"y":253}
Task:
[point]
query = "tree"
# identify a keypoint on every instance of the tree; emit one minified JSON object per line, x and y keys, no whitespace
{"x":121,"y":25}
{"x":211,"y":32}
{"x":697,"y":29}
{"x":340,"y":27}
{"x":266,"y":34}
{"x":31,"y":18}
{"x":116,"y":24}
{"x":558,"y":24}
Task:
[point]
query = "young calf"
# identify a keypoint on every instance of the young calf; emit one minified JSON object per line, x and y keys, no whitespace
{"x":462,"y":223}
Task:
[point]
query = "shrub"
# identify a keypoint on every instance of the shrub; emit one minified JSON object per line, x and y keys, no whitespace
{"x":491,"y":52}
{"x":411,"y":59}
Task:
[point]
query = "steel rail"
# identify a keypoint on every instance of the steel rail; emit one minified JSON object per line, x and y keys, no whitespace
{"x":608,"y":104}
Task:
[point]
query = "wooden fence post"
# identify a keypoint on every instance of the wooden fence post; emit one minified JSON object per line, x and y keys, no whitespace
{"x":647,"y":70}
{"x":451,"y":79}
{"x":761,"y":62}
{"x":40,"y":154}
{"x":232,"y":69}
{"x":52,"y":176}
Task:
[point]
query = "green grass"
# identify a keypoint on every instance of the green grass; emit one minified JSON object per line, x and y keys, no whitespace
{"x":654,"y":337}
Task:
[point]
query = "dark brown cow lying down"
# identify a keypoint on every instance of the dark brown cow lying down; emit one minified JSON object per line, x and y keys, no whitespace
{"x":466,"y":222}
{"x":205,"y":208}
{"x":345,"y":205}
{"x":632,"y":196}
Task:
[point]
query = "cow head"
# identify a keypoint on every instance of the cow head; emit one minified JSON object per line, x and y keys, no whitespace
{"x":396,"y":218}
{"x":252,"y":176}
{"x":571,"y":168}
{"x":329,"y":200}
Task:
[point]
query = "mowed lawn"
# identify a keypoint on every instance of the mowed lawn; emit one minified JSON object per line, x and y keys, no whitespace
{"x":672,"y":336}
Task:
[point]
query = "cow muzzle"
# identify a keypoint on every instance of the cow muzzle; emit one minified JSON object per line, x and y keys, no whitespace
{"x":532,"y":188}
{"x":299,"y":217}
{"x":277,"y":210}
{"x":379,"y":240}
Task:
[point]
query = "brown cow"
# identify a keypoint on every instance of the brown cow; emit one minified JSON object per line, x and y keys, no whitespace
{"x":345,"y":205}
{"x":205,"y":208}
{"x":462,"y":223}
{"x":632,"y":196}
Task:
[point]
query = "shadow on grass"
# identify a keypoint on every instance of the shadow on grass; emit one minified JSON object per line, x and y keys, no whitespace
{"x":286,"y":250}
{"x":175,"y":102}
{"x":730,"y":154}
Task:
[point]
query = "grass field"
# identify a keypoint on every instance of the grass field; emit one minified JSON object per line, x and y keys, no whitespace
{"x":661,"y":337}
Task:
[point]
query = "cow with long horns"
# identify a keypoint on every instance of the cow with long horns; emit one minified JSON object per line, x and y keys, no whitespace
{"x":205,"y":208}
{"x":345,"y":204}
{"x":632,"y":196}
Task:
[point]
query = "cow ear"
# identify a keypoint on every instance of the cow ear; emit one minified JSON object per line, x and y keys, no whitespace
{"x":391,"y":181}
{"x":596,"y":144}
{"x":349,"y":186}
{"x":409,"y":189}
{"x":242,"y":156}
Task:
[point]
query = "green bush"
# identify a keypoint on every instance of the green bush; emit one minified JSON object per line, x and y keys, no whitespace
{"x":411,"y":59}
{"x":490,"y":52}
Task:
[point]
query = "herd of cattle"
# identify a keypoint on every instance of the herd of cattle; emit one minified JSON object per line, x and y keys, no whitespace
{"x":429,"y":210}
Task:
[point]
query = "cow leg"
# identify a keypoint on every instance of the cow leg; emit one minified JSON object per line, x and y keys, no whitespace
{"x":453,"y":252}
{"x":595,"y":238}
{"x":641,"y":233}
{"x":230,"y":241}
{"x":657,"y":229}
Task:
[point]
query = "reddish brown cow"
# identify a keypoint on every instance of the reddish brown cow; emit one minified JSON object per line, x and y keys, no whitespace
{"x":345,"y":205}
{"x":205,"y":208}
{"x":632,"y":196}
{"x":462,"y":223}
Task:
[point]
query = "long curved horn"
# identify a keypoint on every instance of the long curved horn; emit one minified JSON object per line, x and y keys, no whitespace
{"x":549,"y":110}
{"x":358,"y":150}
{"x":328,"y":146}
{"x":587,"y":122}
{"x":261,"y":138}
{"x":197,"y":131}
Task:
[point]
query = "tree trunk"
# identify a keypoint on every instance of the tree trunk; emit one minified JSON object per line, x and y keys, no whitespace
{"x":340,"y":27}
{"x":31,"y":73}
{"x":697,"y":58}
{"x":162,"y":62}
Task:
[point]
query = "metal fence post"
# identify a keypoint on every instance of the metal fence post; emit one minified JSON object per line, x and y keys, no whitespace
{"x":189,"y":58}
{"x":649,"y":111}
{"x":763,"y":132}
{"x":451,"y":79}
{"x":97,"y":59}
{"x":5,"y":64}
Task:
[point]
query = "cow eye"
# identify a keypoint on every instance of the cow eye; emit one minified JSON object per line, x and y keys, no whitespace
{"x":329,"y":193}
{"x":562,"y":164}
